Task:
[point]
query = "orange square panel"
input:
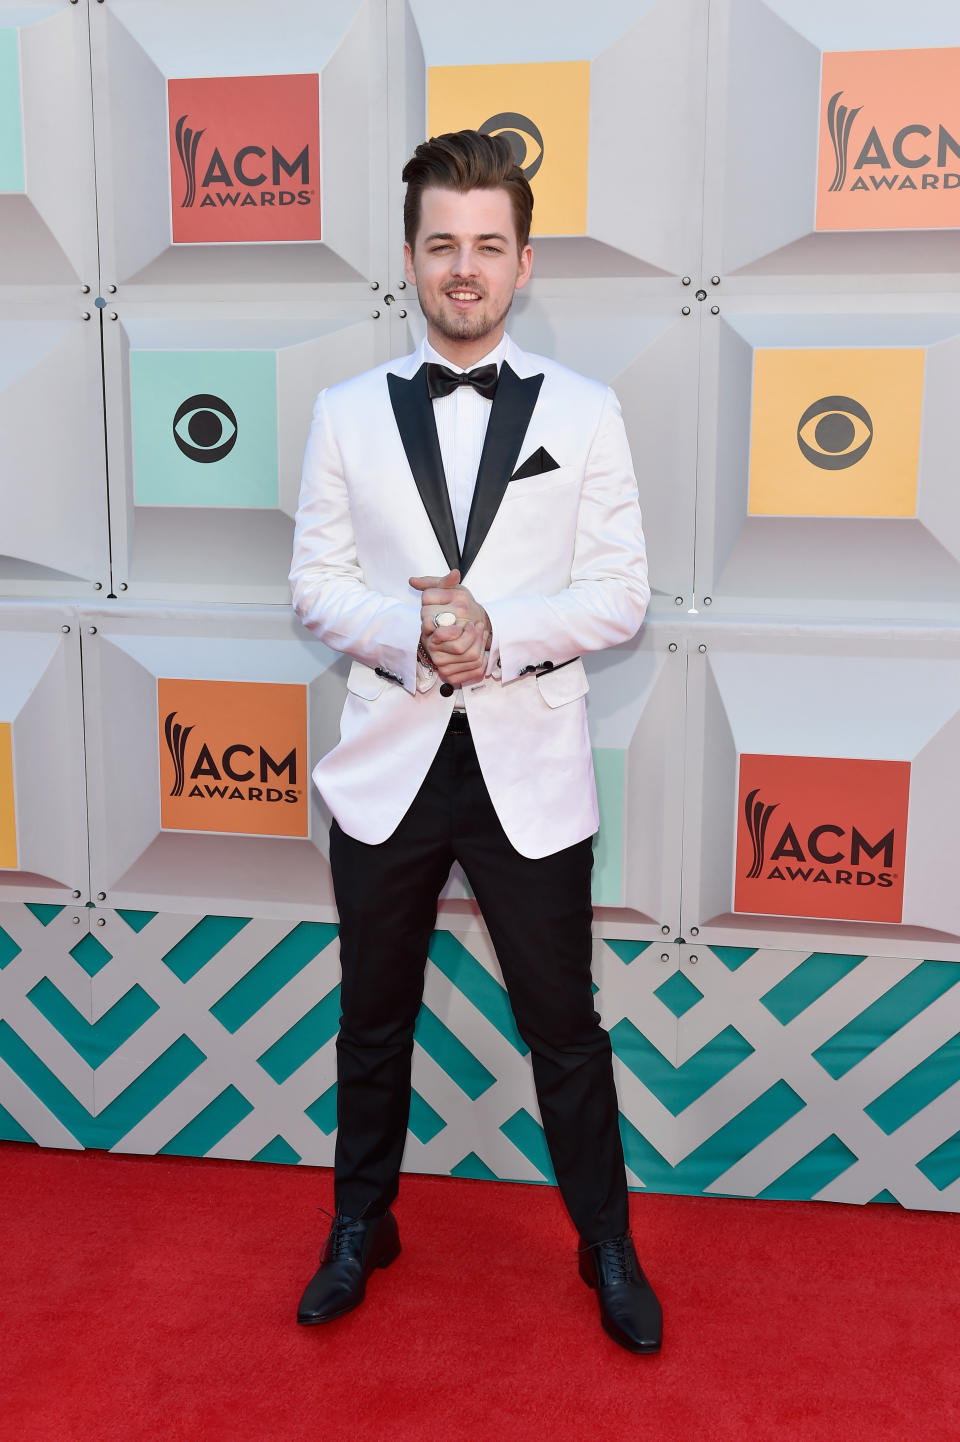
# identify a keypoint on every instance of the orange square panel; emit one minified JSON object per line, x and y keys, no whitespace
{"x":244,"y":159}
{"x":889,"y":140}
{"x":821,"y":836}
{"x":233,"y":757}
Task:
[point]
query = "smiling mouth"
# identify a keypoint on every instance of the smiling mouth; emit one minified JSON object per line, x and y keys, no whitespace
{"x":463,"y":297}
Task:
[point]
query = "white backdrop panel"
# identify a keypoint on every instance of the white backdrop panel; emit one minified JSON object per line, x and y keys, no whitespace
{"x":54,"y":539}
{"x":855,"y":696}
{"x":40,"y":704}
{"x":48,"y":217}
{"x":613,"y":199}
{"x":216,"y":524}
{"x":138,"y":45}
{"x":221,"y":672}
{"x":888,"y":545}
{"x":764,"y":113}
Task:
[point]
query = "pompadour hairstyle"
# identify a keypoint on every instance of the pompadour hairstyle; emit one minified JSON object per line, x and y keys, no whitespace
{"x":466,"y":160}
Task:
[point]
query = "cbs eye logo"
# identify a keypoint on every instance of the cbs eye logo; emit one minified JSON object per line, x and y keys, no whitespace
{"x":198,"y":428}
{"x":518,"y":131}
{"x":835,"y":432}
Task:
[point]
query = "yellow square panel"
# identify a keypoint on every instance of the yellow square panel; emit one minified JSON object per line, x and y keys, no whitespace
{"x":544,"y":112}
{"x":8,"y":819}
{"x":835,"y":432}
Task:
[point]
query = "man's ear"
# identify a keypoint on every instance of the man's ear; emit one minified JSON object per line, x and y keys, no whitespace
{"x":408,"y":269}
{"x":526,"y":266}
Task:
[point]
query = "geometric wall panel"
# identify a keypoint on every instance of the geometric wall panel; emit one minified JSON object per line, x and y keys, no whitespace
{"x":209,"y":138}
{"x":835,"y":756}
{"x":848,"y":1085}
{"x":201,"y":732}
{"x":566,"y":96}
{"x":54,"y":538}
{"x":47,"y":957}
{"x":828,"y":461}
{"x":48,"y":220}
{"x":207,"y":418}
{"x":744,"y":1072}
{"x":635,"y":691}
{"x":833,"y":140}
{"x":43,"y":814}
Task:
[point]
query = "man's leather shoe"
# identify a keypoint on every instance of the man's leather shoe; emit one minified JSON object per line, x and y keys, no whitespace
{"x":355,"y":1246}
{"x":629,"y":1309}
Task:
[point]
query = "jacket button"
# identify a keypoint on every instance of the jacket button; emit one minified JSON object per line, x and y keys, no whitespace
{"x":446,"y":689}
{"x":378,"y":670}
{"x":546,"y":665}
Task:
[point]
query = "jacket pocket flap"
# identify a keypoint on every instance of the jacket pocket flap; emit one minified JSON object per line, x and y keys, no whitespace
{"x":563,"y":683}
{"x":364,"y":681}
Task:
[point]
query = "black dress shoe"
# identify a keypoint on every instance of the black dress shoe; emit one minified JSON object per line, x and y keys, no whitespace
{"x":355,"y":1246}
{"x":629,"y":1309}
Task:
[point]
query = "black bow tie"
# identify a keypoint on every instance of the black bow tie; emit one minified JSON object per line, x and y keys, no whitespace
{"x":442,"y":381}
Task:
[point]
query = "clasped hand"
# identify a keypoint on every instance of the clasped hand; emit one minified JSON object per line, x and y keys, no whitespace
{"x":458,"y":652}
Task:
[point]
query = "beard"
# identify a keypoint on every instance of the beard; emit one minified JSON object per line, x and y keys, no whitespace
{"x":456,"y":325}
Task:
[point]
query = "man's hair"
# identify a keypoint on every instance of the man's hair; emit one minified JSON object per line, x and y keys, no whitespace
{"x":466,"y":160}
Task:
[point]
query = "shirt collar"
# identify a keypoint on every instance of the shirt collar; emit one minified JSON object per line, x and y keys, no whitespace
{"x":494,"y":357}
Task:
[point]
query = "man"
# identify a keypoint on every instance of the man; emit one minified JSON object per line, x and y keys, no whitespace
{"x":468,"y":527}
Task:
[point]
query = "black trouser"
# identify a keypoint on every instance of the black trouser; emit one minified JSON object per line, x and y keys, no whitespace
{"x":538,"y":915}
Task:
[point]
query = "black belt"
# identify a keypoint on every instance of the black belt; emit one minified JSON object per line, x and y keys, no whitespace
{"x":458,"y":725}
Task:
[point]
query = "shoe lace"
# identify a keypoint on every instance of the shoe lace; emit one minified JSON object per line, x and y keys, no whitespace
{"x":618,"y":1256}
{"x":342,"y":1231}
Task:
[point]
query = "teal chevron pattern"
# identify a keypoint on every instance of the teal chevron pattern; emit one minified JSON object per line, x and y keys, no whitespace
{"x":677,"y":1086}
{"x":107,"y":1127}
{"x":210,"y":1124}
{"x":741,"y":1072}
{"x":8,"y":949}
{"x":701,"y":1168}
{"x":94,"y":1041}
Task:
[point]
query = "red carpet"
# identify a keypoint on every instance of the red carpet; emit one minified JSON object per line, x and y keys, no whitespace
{"x":152,"y":1300}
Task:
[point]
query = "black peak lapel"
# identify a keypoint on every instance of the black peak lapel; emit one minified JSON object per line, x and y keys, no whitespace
{"x":509,"y":418}
{"x":413,"y":411}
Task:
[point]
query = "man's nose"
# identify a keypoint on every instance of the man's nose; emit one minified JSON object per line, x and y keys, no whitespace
{"x":463,"y":262}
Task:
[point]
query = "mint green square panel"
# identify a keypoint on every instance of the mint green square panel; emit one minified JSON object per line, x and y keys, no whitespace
{"x":607,"y":884}
{"x":205,"y":428}
{"x":11,"y":129}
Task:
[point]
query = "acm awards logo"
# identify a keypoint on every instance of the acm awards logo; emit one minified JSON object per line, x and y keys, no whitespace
{"x":232,"y":757}
{"x":822,"y":837}
{"x":225,"y":779}
{"x":811,"y":855}
{"x":896,"y":166}
{"x":890,"y":140}
{"x":219,"y":173}
{"x":244,"y":158}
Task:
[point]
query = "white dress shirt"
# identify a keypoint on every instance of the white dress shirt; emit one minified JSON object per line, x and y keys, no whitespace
{"x":461,"y":419}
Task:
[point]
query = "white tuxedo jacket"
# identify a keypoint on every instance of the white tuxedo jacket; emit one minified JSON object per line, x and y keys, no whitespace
{"x":555,"y":556}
